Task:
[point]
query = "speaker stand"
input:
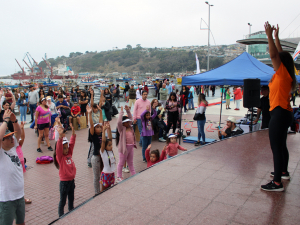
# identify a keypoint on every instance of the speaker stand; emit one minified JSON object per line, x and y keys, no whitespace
{"x":251,"y":123}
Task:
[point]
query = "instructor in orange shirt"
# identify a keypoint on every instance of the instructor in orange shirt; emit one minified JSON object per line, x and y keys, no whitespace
{"x":281,"y":85}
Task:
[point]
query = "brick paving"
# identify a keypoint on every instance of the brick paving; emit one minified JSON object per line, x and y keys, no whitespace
{"x":42,"y":181}
{"x":214,"y":184}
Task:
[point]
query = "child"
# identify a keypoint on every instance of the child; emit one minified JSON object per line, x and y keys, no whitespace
{"x":107,"y":177}
{"x":95,"y":136}
{"x":62,"y":158}
{"x":75,"y":113}
{"x":147,"y":130}
{"x":228,"y":98}
{"x":153,"y":157}
{"x":125,"y":140}
{"x":173,"y":146}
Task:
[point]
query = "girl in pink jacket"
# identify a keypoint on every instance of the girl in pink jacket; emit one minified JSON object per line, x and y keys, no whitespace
{"x":125,"y":140}
{"x":173,"y":146}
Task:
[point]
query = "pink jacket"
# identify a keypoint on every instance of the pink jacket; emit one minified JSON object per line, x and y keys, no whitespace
{"x":172,"y":149}
{"x":122,"y":132}
{"x":238,"y":94}
{"x":139,"y":107}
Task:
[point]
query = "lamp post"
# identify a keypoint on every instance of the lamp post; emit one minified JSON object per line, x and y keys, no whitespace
{"x":208,"y":34}
{"x":250,"y":25}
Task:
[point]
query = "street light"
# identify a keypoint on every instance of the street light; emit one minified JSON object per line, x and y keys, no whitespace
{"x":208,"y":33}
{"x":249,"y":28}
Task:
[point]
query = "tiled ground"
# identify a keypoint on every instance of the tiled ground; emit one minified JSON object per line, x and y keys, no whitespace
{"x":42,"y":181}
{"x":215,"y":184}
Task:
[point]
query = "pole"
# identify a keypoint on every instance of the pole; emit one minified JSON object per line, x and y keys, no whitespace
{"x":208,"y":37}
{"x":180,"y":120}
{"x":221,"y":107}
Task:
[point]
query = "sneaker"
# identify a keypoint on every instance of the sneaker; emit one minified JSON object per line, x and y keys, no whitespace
{"x":229,"y":108}
{"x":39,"y":150}
{"x":78,"y":127}
{"x":161,"y":139}
{"x":50,"y":148}
{"x":197,"y":143}
{"x":119,"y":179}
{"x":126,"y":170}
{"x":285,"y":176}
{"x":123,"y":170}
{"x":272,"y":187}
{"x":90,"y":165}
{"x":184,"y":113}
{"x":144,"y":160}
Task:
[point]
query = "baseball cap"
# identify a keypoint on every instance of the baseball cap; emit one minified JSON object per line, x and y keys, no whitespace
{"x":231,"y":119}
{"x":171,"y":135}
{"x":8,"y":133}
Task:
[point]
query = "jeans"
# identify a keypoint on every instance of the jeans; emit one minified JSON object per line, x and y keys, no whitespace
{"x":32,"y":110}
{"x":146,"y":143}
{"x":128,"y":157}
{"x":66,"y":189}
{"x":161,"y":130}
{"x":140,"y":127}
{"x":117,"y":101}
{"x":238,"y":103}
{"x":280,"y":121}
{"x":200,"y":125}
{"x":23,"y":111}
{"x":191,"y":103}
{"x":97,"y":169}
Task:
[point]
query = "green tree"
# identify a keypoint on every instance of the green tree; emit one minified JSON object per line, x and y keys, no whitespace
{"x":129,"y":47}
{"x":138,"y":46}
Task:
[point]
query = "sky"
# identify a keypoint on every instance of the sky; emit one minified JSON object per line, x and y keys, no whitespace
{"x":58,"y":27}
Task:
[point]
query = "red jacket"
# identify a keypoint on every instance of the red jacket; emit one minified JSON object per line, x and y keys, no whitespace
{"x":149,"y":163}
{"x":238,"y":94}
{"x":172,"y":149}
{"x":67,"y":169}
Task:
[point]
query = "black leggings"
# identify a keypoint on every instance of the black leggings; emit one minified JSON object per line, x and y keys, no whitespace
{"x":172,"y":119}
{"x":280,"y":121}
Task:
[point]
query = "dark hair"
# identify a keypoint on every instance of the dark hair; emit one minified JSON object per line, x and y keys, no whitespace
{"x":4,"y":102}
{"x":144,"y":92}
{"x":106,"y":143}
{"x":173,"y":94}
{"x":149,"y":119}
{"x":40,"y":101}
{"x":81,"y":97}
{"x":60,"y":96}
{"x":289,"y":64}
{"x":265,"y":87}
{"x":54,"y":158}
{"x":95,"y":106}
{"x":156,"y":153}
{"x":22,"y":98}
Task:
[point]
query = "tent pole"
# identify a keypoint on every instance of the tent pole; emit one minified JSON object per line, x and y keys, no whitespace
{"x":180,"y":115}
{"x":221,"y":106}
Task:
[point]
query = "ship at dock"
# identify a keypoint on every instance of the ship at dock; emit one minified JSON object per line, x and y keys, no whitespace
{"x":36,"y":72}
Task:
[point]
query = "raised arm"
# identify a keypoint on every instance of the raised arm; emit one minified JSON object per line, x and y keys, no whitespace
{"x":3,"y":127}
{"x":72,"y":140}
{"x":21,"y":142}
{"x":17,"y":128}
{"x":119,"y":123}
{"x":277,"y":41}
{"x":89,"y":111}
{"x":103,"y":139}
{"x":147,"y":153}
{"x":273,"y":51}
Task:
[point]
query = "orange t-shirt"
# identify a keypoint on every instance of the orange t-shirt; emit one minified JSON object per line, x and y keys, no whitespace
{"x":280,"y":89}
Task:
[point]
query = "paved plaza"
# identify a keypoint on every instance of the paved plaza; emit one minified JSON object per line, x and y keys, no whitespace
{"x":213,"y":184}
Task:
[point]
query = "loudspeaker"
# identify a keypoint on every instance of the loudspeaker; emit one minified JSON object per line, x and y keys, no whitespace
{"x":251,"y":96}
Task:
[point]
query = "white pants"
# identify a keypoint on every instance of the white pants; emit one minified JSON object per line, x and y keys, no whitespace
{"x":238,"y":103}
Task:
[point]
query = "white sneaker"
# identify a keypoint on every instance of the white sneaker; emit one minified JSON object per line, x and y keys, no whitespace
{"x":119,"y":179}
{"x":161,"y":139}
{"x":184,"y":113}
{"x":123,"y":170}
{"x":126,"y":170}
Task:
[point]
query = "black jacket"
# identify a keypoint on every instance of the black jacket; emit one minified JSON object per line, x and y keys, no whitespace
{"x":106,"y":108}
{"x":234,"y":132}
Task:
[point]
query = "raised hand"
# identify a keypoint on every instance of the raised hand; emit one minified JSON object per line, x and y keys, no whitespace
{"x":60,"y":131}
{"x":148,"y":108}
{"x":88,"y":109}
{"x":7,"y":114}
{"x":268,"y":29}
{"x":276,"y":33}
{"x":121,"y":108}
{"x":126,"y":107}
{"x":149,"y":146}
{"x":165,"y":148}
{"x":13,"y":117}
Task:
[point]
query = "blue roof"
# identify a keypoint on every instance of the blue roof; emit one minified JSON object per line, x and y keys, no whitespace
{"x":234,"y":72}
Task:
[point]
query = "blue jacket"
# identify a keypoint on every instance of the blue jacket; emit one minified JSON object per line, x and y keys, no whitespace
{"x":21,"y":102}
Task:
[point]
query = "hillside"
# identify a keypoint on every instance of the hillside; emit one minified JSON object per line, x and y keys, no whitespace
{"x":142,"y":59}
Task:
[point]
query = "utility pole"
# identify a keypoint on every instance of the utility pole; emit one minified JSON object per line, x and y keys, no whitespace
{"x":208,"y":34}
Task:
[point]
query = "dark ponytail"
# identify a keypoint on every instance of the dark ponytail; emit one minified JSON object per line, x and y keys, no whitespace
{"x":54,"y":157}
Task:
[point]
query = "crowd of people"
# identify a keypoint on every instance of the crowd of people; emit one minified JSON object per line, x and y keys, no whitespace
{"x":57,"y":109}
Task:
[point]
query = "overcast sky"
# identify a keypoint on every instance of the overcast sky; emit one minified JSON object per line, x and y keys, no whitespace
{"x":58,"y":27}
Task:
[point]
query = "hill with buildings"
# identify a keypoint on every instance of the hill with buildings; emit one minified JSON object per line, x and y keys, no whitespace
{"x":148,"y":60}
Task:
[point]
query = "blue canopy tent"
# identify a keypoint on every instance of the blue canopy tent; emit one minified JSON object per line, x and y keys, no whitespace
{"x":234,"y":72}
